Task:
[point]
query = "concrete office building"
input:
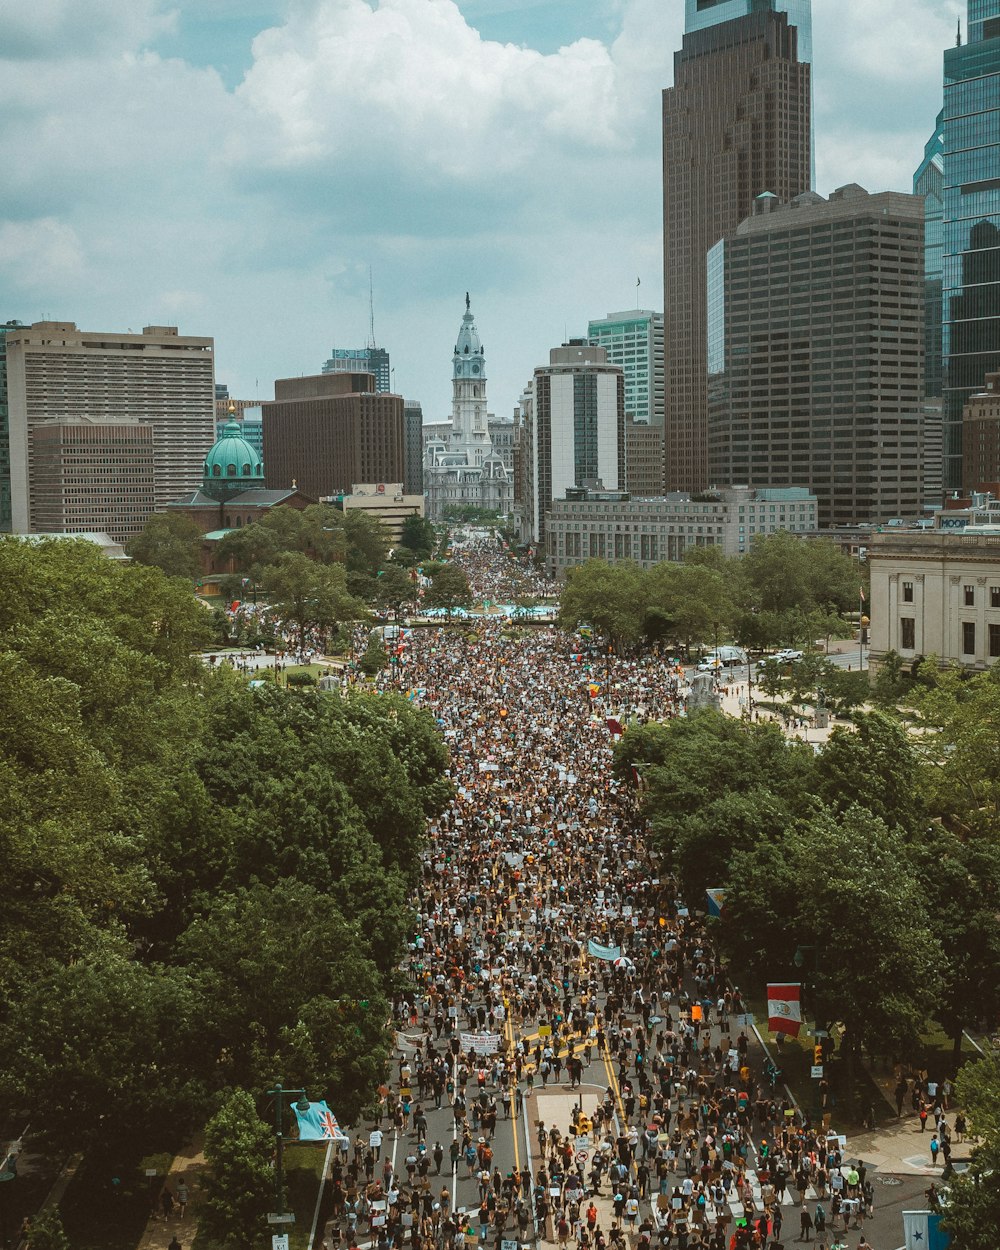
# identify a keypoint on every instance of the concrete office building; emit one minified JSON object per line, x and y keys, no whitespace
{"x":574,"y":430}
{"x":981,"y":437}
{"x":815,"y":352}
{"x":89,"y":475}
{"x":387,"y":502}
{"x":324,"y":432}
{"x":971,"y":227}
{"x":413,"y":452}
{"x":643,"y":458}
{"x":5,"y":518}
{"x":374,"y":360}
{"x":634,"y":340}
{"x":611,"y":525}
{"x":56,"y":372}
{"x":736,"y":124}
{"x":936,"y":593}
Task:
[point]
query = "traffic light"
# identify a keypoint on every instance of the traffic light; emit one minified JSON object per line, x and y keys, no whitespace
{"x":818,"y":1054}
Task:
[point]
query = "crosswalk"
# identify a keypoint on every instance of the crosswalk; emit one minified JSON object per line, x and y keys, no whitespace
{"x":790,"y":1197}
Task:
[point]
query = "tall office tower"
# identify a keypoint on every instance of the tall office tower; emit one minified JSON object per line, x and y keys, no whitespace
{"x":971,"y":308}
{"x":325,"y":432}
{"x":160,"y":378}
{"x":92,"y":476}
{"x":634,"y":340}
{"x":5,"y":429}
{"x":928,"y":182}
{"x":574,"y":429}
{"x":373,"y":360}
{"x":413,"y":424}
{"x":736,"y":123}
{"x":815,"y":351}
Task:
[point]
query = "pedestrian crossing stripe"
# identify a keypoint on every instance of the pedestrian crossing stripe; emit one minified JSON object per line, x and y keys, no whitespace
{"x":736,"y":1203}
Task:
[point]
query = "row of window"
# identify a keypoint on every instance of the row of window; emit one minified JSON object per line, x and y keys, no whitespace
{"x":968,"y":595}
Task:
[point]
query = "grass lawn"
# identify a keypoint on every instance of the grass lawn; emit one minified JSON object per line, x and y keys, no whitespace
{"x":108,"y":1210}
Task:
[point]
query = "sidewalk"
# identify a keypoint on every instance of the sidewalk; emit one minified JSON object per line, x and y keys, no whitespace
{"x":160,"y":1231}
{"x":901,"y":1149}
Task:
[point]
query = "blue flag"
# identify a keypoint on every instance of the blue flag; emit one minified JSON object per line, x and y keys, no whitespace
{"x":318,"y":1123}
{"x":716,"y":901}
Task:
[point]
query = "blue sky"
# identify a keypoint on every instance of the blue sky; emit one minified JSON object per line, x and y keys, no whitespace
{"x":235,"y":166}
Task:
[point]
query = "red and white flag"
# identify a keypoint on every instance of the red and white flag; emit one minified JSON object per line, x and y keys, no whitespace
{"x":784,"y":1009}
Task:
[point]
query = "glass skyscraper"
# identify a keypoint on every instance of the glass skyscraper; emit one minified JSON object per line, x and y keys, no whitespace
{"x":971,"y":227}
{"x":699,"y":14}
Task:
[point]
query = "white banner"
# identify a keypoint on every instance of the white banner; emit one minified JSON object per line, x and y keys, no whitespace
{"x":481,"y":1043}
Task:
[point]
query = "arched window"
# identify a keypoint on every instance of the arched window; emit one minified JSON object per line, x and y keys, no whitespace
{"x":216,"y":470}
{"x":229,"y":522}
{"x":230,"y":470}
{"x":246,"y":470}
{"x":239,"y":522}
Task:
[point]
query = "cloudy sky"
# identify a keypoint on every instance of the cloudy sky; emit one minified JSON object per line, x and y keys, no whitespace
{"x":235,"y":166}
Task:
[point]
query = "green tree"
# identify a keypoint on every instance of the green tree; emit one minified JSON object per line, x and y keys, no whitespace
{"x":873,"y":765}
{"x":47,"y":1232}
{"x":239,"y":1183}
{"x":417,"y":537}
{"x":394,"y":589}
{"x":972,"y":1214}
{"x":309,"y":594}
{"x":449,"y":589}
{"x":691,"y":600}
{"x":873,"y":903}
{"x":374,"y":659}
{"x":171,"y":542}
{"x":609,"y":597}
{"x":367,"y":542}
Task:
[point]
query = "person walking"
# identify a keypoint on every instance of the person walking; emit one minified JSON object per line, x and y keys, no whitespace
{"x":805,"y":1224}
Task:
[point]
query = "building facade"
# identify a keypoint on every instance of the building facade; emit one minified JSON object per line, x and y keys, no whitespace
{"x":643,"y":458}
{"x":56,"y":372}
{"x":981,"y":437}
{"x":461,"y":467}
{"x":971,"y":226}
{"x":388,"y":502}
{"x":5,"y":513}
{"x":91,"y":476}
{"x":327,"y":431}
{"x":373,"y":360}
{"x":936,"y":593}
{"x":928,"y":181}
{"x":574,"y":431}
{"x":413,"y":458}
{"x":634,"y":340}
{"x":736,"y":124}
{"x":815,"y":352}
{"x":610,"y":525}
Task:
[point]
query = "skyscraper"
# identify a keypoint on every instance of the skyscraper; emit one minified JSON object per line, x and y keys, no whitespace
{"x":736,"y":124}
{"x":634,"y":340}
{"x":362,"y":360}
{"x":5,"y":429}
{"x":971,"y":307}
{"x":56,"y":372}
{"x":815,"y":348}
{"x":928,"y":182}
{"x":574,"y":430}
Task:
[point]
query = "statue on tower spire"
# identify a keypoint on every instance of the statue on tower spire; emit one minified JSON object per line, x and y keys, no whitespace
{"x":466,"y":301}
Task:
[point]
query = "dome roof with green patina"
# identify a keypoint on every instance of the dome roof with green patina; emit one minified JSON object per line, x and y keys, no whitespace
{"x":232,"y":465}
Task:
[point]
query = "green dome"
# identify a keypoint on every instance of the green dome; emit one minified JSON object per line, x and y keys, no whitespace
{"x":232,"y":465}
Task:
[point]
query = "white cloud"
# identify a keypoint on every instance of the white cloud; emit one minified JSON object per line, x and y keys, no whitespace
{"x":139,"y":189}
{"x":37,"y":256}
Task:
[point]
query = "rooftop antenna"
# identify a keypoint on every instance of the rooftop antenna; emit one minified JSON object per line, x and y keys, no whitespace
{"x":958,"y":35}
{"x":371,"y":309}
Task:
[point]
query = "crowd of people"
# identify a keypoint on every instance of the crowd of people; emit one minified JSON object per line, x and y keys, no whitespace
{"x":562,"y":998}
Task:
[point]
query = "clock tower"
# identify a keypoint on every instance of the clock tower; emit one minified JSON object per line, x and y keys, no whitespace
{"x":469,"y":426}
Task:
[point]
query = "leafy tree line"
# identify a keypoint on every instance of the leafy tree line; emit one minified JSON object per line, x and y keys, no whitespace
{"x":855,"y":854}
{"x":782,"y":592}
{"x":205,"y":885}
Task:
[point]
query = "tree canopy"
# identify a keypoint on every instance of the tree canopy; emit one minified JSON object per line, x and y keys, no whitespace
{"x":205,"y":884}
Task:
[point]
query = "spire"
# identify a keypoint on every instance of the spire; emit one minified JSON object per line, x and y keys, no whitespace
{"x":958,"y":34}
{"x":466,"y":301}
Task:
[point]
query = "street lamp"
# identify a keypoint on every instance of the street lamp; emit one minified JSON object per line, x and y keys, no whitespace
{"x":279,"y":1094}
